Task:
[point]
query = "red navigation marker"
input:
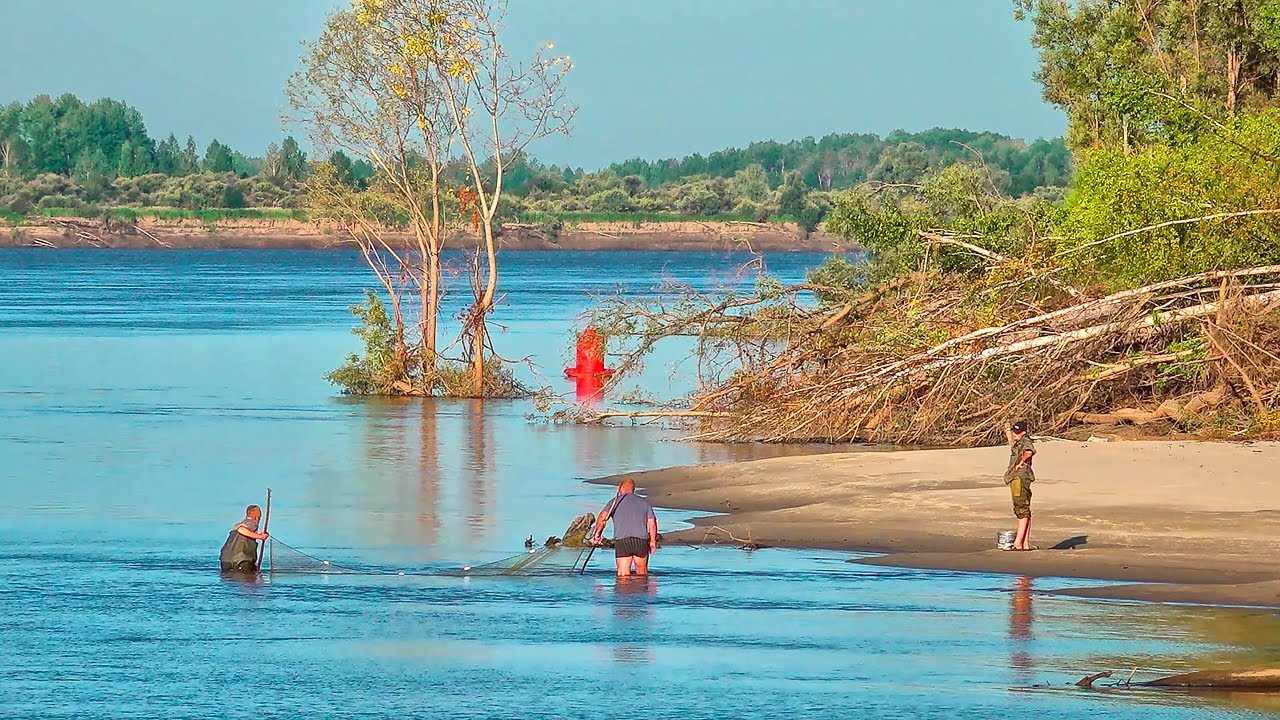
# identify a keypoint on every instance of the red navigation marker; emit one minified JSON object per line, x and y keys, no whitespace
{"x":589,"y":370}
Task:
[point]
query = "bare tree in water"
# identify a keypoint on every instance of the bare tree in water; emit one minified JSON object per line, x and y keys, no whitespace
{"x":426,"y":93}
{"x":497,"y":105}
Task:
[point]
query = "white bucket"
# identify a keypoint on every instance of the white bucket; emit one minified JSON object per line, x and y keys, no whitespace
{"x":1004,"y":540}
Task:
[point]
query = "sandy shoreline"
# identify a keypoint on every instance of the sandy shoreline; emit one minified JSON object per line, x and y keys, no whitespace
{"x":1195,"y":522}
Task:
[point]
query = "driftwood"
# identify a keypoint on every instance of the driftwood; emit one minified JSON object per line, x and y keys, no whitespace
{"x":157,"y":240}
{"x":1087,"y":682}
{"x":748,"y":544}
{"x":579,"y":531}
{"x":77,"y":231}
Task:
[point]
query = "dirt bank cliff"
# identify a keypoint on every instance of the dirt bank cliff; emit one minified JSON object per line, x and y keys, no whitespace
{"x":264,"y":234}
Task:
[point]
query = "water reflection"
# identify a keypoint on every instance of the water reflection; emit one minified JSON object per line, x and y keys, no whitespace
{"x":634,"y":618}
{"x":479,"y":469}
{"x":1021,"y":619}
{"x":428,"y":474}
{"x":441,"y":479}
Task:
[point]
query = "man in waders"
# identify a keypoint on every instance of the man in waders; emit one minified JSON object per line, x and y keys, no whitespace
{"x":635,"y":529}
{"x":240,"y":551}
{"x":1019,"y":478}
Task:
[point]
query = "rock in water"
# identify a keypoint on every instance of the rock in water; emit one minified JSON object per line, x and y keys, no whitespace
{"x":579,"y":530}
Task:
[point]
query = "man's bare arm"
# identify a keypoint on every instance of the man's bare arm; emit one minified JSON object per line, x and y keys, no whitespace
{"x":1026,"y":457}
{"x":251,"y":534}
{"x":602,"y":519}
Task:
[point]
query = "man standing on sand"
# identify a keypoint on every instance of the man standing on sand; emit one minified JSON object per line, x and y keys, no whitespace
{"x":635,"y":529}
{"x":1019,"y":478}
{"x":240,"y":551}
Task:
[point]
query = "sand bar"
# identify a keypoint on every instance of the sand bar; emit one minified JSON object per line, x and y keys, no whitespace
{"x":1201,"y":519}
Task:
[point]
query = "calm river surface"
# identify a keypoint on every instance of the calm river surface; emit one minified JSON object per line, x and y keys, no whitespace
{"x":146,"y":397}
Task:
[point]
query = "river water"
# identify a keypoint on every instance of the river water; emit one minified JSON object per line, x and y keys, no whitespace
{"x":146,"y":397}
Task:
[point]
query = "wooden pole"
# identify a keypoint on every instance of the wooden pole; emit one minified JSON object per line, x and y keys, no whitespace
{"x":266,"y":520}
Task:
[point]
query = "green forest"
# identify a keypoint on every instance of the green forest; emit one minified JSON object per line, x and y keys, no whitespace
{"x":65,"y":156}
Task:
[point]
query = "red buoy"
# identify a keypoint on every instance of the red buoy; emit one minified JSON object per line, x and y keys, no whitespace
{"x":590,"y":356}
{"x":589,"y":370}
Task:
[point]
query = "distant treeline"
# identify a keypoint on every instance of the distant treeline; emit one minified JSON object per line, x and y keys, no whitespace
{"x":65,"y":154}
{"x":842,"y":160}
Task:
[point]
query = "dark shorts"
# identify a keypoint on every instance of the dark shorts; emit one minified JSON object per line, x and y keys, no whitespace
{"x":631,"y":547}
{"x":244,"y":566}
{"x":1020,"y":490}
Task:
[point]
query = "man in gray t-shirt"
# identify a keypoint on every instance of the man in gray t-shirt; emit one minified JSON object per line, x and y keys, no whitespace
{"x":635,"y":529}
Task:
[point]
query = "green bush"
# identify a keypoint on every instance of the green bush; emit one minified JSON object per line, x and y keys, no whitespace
{"x":840,"y":272}
{"x":373,"y":372}
{"x":1214,"y":174}
{"x":613,"y":200}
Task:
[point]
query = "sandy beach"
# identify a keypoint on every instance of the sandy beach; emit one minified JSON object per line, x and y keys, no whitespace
{"x":1195,"y":522}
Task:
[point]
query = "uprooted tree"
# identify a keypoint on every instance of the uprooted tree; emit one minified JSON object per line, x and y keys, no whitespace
{"x":426,"y":93}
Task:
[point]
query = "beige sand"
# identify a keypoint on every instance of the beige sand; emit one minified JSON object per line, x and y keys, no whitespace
{"x":1202,"y":518}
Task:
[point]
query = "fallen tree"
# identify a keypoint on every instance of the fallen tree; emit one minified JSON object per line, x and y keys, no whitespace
{"x":902,"y":363}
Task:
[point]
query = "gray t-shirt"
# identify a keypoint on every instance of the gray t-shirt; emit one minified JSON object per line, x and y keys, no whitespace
{"x":631,"y":515}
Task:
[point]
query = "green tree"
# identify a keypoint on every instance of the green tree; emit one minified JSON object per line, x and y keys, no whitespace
{"x":750,"y":183}
{"x":342,"y":168}
{"x":12,"y":145}
{"x":217,"y":159}
{"x":168,"y":156}
{"x":903,"y":163}
{"x":792,"y":195}
{"x":233,"y":197}
{"x":1137,"y":72}
{"x":293,"y":162}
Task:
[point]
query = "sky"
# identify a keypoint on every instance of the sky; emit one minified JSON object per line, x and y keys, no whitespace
{"x":652,"y":78}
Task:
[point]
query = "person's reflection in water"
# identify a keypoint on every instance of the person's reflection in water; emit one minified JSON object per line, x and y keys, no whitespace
{"x":1021,"y":617}
{"x":246,"y":584}
{"x":633,"y":611}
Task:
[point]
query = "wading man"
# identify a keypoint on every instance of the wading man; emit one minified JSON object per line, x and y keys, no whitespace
{"x":1019,"y":478}
{"x":635,"y":529}
{"x":240,"y":551}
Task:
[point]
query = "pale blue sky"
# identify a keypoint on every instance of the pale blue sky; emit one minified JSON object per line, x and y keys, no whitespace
{"x":653,"y":78}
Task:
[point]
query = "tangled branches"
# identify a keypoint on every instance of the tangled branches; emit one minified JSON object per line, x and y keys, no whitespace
{"x":916,"y":361}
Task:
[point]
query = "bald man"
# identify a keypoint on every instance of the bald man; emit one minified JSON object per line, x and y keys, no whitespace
{"x":635,"y":529}
{"x":240,"y":551}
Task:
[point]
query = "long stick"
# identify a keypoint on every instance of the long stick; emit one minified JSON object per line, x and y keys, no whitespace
{"x":616,"y":499}
{"x":266,"y":520}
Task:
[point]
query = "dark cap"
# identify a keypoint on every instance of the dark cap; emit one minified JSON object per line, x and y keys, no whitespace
{"x":1019,"y":427}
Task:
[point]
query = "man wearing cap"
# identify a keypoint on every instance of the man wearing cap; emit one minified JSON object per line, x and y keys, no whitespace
{"x":1019,"y":478}
{"x":635,"y":529}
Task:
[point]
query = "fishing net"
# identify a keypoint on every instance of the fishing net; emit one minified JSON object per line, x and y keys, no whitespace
{"x":543,"y":561}
{"x":282,"y":558}
{"x":547,"y":561}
